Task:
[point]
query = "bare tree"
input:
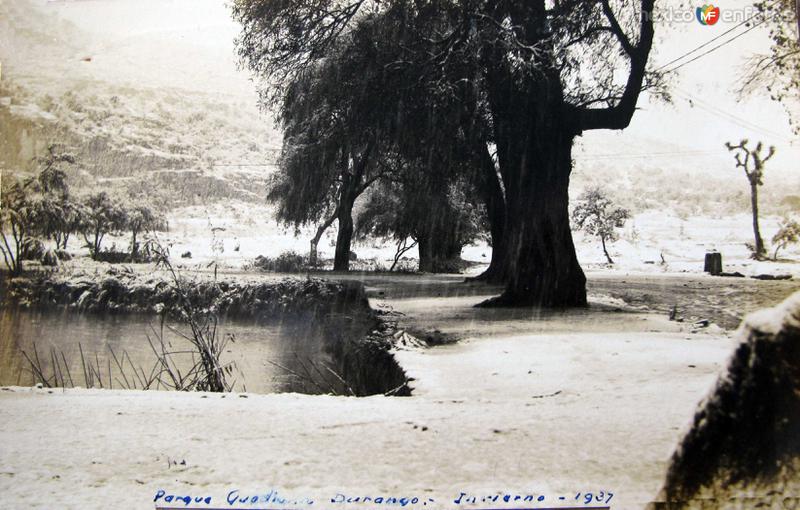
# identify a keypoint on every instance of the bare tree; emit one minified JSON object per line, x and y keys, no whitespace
{"x":752,"y":162}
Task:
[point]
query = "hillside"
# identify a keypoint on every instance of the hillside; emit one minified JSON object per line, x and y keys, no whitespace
{"x":190,"y":144}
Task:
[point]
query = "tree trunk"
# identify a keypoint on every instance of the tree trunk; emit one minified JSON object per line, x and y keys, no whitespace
{"x":759,"y":246}
{"x":402,"y":248}
{"x":437,"y":254}
{"x":20,"y":243}
{"x":314,"y":243}
{"x":536,"y":162}
{"x":492,"y":194}
{"x":134,"y":246}
{"x":344,"y":215}
{"x":544,"y":269}
{"x":439,"y":244}
{"x":605,"y":251}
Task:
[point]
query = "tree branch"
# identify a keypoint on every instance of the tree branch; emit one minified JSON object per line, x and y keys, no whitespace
{"x":616,"y":29}
{"x":619,"y":116}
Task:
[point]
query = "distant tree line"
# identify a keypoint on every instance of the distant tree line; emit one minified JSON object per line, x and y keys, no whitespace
{"x":40,"y":208}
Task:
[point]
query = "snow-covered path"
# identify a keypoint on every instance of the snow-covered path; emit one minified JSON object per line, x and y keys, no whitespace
{"x":527,"y":412}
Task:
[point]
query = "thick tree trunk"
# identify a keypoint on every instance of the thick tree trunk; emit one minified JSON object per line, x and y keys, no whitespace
{"x":534,"y":130}
{"x":437,"y":254}
{"x":439,"y":244}
{"x":544,"y":269}
{"x":759,"y":246}
{"x":535,"y":147}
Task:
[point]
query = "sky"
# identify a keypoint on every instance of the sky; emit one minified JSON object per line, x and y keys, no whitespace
{"x":188,"y":44}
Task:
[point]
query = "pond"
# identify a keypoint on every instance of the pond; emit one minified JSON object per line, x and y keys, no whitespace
{"x":297,"y":346}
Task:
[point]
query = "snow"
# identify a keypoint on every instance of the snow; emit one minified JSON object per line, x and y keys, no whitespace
{"x":782,"y":317}
{"x":517,"y":406}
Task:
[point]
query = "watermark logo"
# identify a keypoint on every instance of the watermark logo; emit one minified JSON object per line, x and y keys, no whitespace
{"x":707,"y":14}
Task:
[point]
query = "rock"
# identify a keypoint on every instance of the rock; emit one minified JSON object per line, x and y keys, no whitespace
{"x":186,"y":255}
{"x":746,"y":434}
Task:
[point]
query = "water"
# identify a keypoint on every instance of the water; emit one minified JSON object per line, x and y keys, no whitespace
{"x":297,"y":346}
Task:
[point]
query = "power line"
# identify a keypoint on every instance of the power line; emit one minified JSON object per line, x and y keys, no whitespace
{"x":730,"y":117}
{"x":715,"y":48}
{"x":723,"y":34}
{"x":697,"y":152}
{"x":675,"y":154}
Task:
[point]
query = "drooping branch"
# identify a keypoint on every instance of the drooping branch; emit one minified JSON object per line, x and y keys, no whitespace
{"x":282,"y":38}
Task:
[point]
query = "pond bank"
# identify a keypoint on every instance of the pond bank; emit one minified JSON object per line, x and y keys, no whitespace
{"x":359,"y":341}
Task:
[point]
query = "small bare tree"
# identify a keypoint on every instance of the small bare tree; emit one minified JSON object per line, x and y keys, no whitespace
{"x":752,"y":162}
{"x":596,"y":215}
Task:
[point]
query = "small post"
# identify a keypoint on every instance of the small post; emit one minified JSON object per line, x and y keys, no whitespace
{"x":713,"y":263}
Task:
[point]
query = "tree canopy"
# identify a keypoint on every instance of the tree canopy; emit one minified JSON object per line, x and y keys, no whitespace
{"x":777,"y":71}
{"x":453,"y":78}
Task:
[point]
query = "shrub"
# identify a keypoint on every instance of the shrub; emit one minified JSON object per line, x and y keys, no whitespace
{"x":286,"y":262}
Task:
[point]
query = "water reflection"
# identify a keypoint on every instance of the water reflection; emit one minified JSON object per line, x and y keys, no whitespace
{"x":295,"y":345}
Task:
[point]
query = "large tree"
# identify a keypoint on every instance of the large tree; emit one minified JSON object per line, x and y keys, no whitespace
{"x":332,"y":127}
{"x":544,"y":71}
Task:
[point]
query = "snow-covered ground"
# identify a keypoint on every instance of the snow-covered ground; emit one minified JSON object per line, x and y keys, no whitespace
{"x":215,"y":231}
{"x":518,"y":411}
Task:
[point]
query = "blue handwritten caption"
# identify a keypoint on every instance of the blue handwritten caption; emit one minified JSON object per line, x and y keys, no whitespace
{"x":274,"y":500}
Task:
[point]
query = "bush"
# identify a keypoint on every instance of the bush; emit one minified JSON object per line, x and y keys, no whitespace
{"x":286,"y":262}
{"x":114,"y":256}
{"x":33,"y":249}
